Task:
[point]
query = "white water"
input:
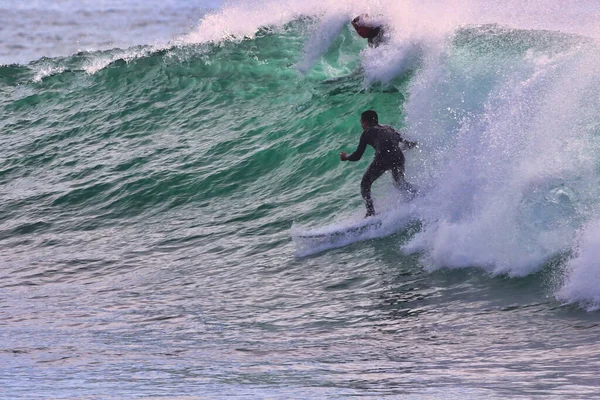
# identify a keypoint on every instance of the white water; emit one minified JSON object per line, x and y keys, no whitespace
{"x":511,"y":155}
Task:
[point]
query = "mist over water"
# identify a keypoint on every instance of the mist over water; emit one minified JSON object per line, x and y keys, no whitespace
{"x":157,"y":161}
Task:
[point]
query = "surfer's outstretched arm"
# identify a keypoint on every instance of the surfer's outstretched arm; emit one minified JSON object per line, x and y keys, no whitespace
{"x":409,"y":144}
{"x":358,"y":153}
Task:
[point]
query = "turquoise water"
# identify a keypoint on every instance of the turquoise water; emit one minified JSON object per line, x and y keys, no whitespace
{"x":149,"y":191}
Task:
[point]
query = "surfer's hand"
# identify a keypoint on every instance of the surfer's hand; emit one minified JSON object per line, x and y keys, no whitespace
{"x":343,"y":156}
{"x":410,"y":145}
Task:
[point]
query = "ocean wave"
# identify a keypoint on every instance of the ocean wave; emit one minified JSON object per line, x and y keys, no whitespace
{"x":508,"y":138}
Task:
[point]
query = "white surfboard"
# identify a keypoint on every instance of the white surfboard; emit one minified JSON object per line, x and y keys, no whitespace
{"x":313,"y":240}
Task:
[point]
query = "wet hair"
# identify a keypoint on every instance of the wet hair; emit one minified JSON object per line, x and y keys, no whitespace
{"x":370,"y":117}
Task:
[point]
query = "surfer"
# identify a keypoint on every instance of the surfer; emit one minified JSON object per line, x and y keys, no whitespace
{"x":368,"y":29}
{"x":388,"y":144}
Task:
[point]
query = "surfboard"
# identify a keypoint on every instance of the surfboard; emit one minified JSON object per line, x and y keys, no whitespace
{"x":340,"y":230}
{"x":314,"y":240}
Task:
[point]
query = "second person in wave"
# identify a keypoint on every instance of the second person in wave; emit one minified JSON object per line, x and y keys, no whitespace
{"x":388,"y":144}
{"x":369,"y":29}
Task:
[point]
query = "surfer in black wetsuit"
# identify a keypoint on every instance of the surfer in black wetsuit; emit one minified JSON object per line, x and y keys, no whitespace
{"x":368,"y":30}
{"x":388,"y":144}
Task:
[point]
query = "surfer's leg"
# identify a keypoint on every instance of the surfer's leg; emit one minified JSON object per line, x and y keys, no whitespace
{"x":401,"y":183}
{"x":371,"y":174}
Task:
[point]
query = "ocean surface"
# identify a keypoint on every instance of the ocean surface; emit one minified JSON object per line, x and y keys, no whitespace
{"x":159,"y":161}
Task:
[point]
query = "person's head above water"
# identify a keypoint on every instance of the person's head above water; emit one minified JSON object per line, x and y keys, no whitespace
{"x":366,"y":27}
{"x":369,"y":118}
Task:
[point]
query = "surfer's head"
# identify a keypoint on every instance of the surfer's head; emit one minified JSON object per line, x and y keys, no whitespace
{"x":369,"y":118}
{"x":365,"y":27}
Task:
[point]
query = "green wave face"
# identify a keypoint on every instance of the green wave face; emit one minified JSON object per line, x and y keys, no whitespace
{"x":125,"y":133}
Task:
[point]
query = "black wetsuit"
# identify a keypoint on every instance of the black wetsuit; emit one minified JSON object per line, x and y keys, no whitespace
{"x":376,"y":38}
{"x":373,"y":34}
{"x":388,"y":157}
